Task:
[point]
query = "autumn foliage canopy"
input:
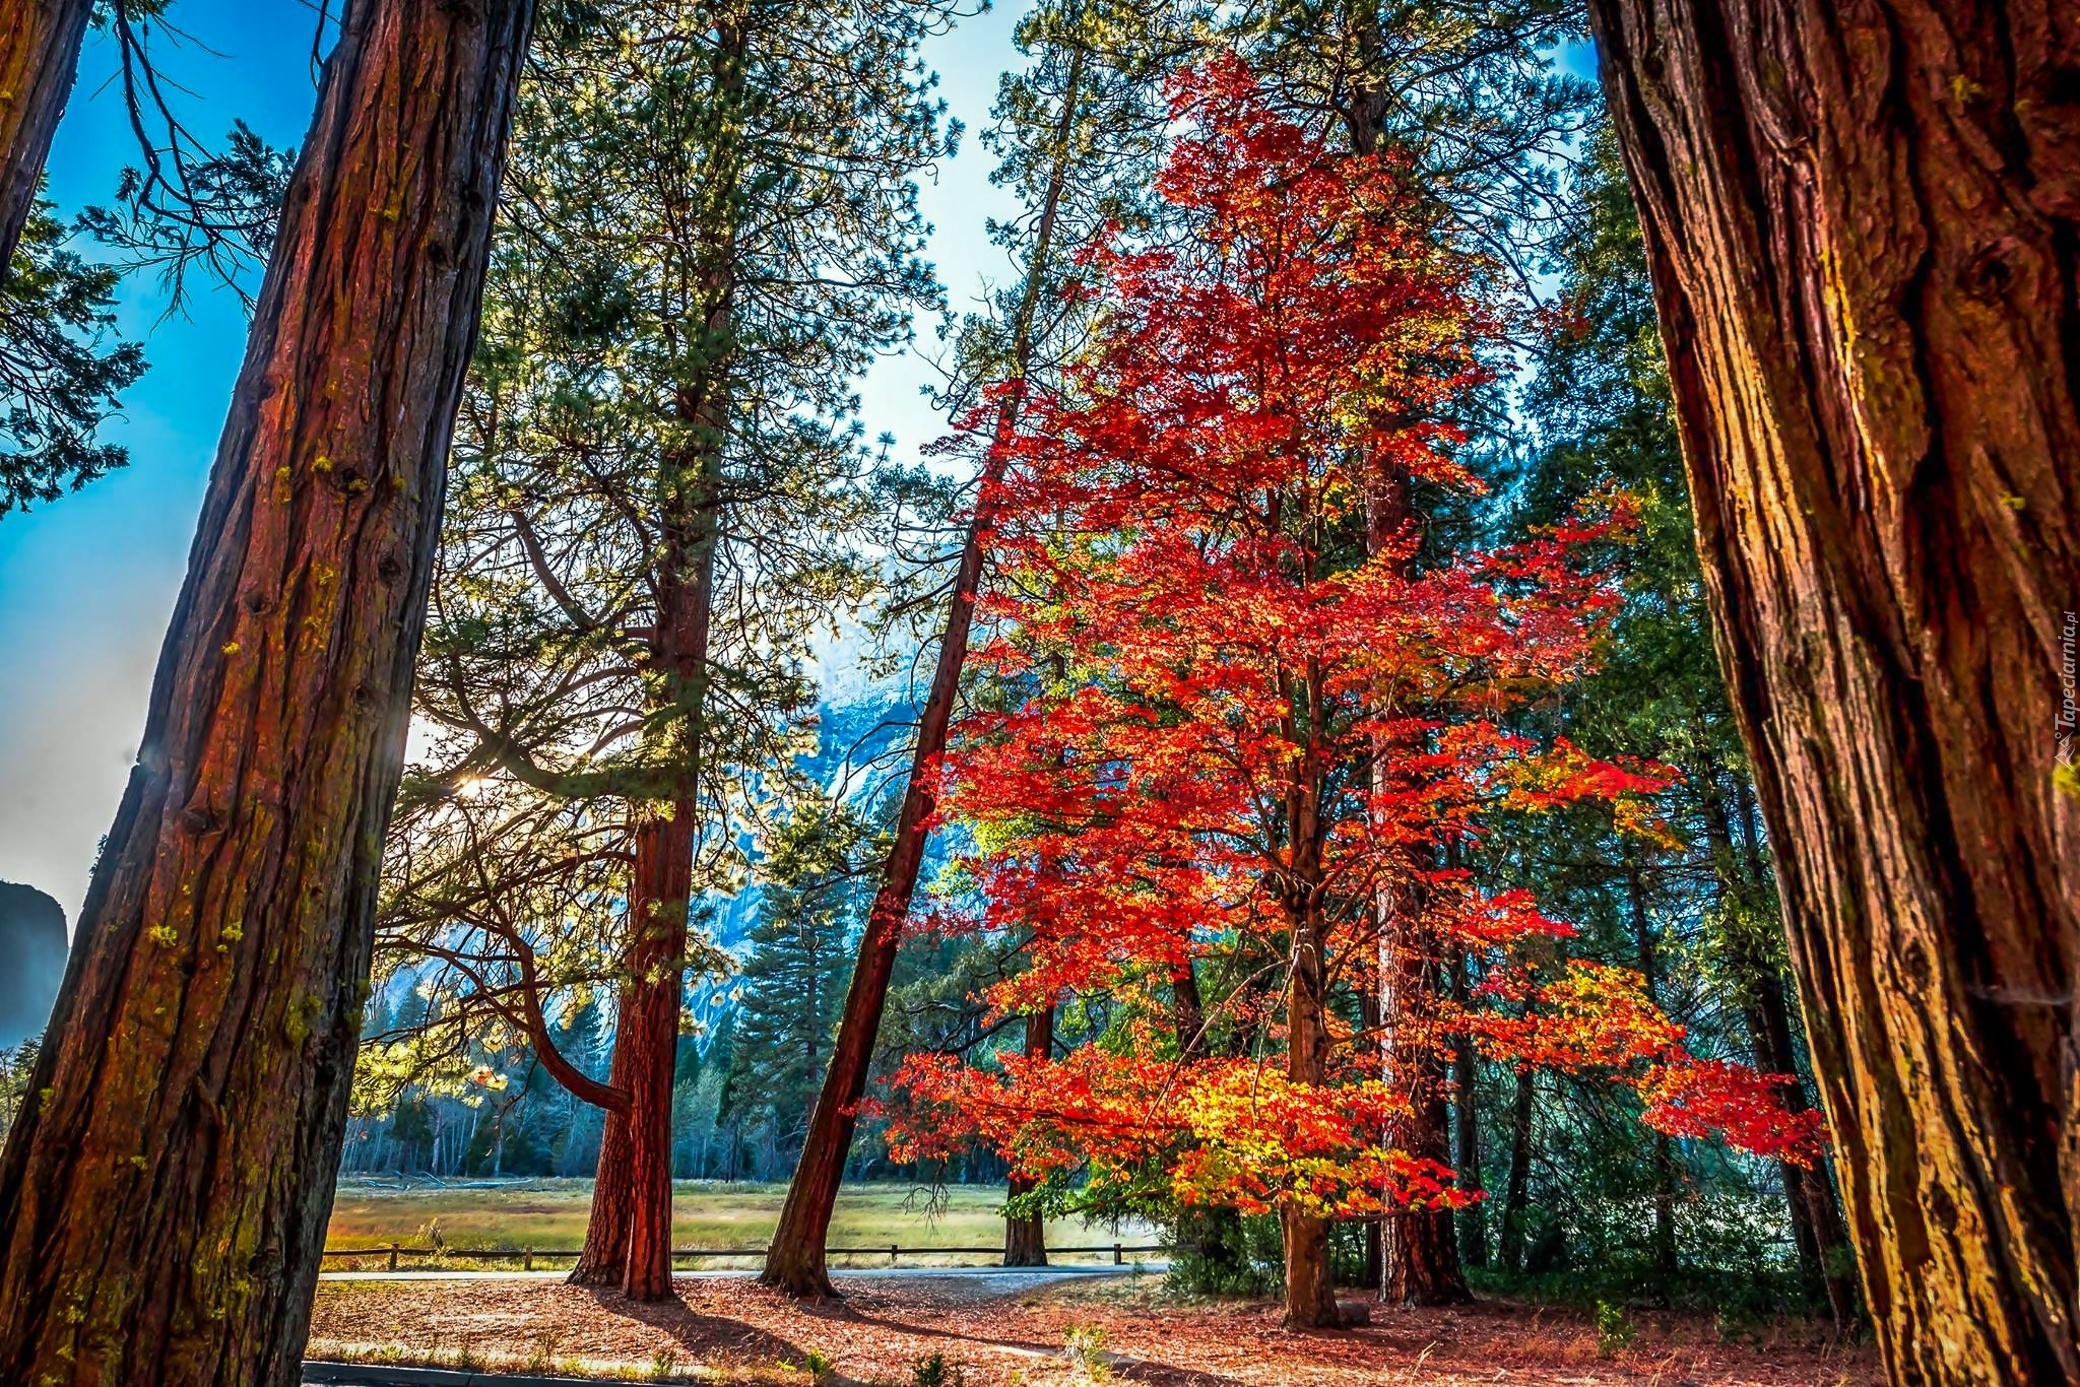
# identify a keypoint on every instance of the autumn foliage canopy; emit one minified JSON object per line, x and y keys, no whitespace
{"x":1238,"y":752}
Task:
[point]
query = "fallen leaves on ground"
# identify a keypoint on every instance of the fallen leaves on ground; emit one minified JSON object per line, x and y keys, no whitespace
{"x":1013,"y":1331}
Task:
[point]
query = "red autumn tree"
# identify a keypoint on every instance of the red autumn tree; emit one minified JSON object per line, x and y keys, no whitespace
{"x":1243,"y":730}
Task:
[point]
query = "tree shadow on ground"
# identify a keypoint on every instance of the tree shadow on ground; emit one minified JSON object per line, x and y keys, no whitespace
{"x":1122,"y":1365}
{"x":701,"y":1335}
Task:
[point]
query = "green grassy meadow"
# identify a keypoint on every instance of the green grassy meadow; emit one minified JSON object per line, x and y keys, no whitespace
{"x":705,"y":1214}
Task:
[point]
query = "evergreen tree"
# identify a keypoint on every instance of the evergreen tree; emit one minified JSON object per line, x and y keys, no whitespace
{"x":791,"y":985}
{"x":61,"y":367}
{"x":1695,"y":911}
{"x":660,"y":489}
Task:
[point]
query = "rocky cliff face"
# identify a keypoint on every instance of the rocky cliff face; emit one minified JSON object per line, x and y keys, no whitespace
{"x":32,"y":960}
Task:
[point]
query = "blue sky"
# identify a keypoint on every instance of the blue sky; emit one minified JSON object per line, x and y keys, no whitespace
{"x":87,"y":583}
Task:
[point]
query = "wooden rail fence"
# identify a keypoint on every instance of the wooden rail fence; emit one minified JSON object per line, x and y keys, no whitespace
{"x":527,"y":1256}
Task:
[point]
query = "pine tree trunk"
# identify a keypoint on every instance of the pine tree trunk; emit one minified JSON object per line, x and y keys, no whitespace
{"x":1809,"y":1198}
{"x":1025,"y":1238}
{"x":795,"y":1260}
{"x":1466,"y":1152}
{"x":1808,"y":1191}
{"x":164,"y":1202}
{"x":1420,"y":1247}
{"x":39,"y":56}
{"x":1864,"y":228}
{"x":1664,"y":1162}
{"x":656,"y":964}
{"x":604,"y":1256}
{"x":1516,"y":1197}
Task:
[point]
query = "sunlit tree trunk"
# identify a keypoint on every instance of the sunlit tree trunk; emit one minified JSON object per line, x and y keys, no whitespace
{"x":603,"y":1259}
{"x":39,"y":55}
{"x":1863,"y":225}
{"x":656,"y":964}
{"x":164,"y":1198}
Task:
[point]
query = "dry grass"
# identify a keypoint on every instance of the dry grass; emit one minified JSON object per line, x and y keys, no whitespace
{"x":552,"y":1213}
{"x":1122,"y":1329}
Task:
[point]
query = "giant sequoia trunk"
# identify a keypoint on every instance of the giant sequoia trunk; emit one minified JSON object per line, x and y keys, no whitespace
{"x":39,"y":53}
{"x":1864,"y":227}
{"x":163,"y":1199}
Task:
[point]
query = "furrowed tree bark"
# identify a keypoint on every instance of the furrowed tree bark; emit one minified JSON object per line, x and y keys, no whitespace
{"x":663,"y":884}
{"x":1863,"y":225}
{"x":628,"y":1234}
{"x":795,"y":1260}
{"x":1418,"y":1258}
{"x":39,"y":57}
{"x":1025,"y":1238}
{"x":164,"y":1199}
{"x":1419,"y":1248}
{"x":603,"y":1258}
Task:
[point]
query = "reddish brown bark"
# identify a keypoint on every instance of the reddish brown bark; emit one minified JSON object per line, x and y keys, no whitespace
{"x":1863,"y":224}
{"x":1310,"y":1291}
{"x":1419,"y":1248}
{"x":1025,"y":1238}
{"x":603,"y":1259}
{"x":164,"y":1198}
{"x":39,"y":55}
{"x":664,"y":876}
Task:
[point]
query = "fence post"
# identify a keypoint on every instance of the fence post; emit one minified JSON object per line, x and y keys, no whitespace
{"x":1118,"y":1257}
{"x":892,"y":1250}
{"x":393,"y":1256}
{"x":528,"y":1263}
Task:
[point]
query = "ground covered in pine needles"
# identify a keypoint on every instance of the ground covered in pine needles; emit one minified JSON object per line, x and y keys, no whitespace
{"x":1003,"y":1330}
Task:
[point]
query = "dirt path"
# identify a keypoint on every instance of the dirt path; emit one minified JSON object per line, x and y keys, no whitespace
{"x":1016,"y":1328}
